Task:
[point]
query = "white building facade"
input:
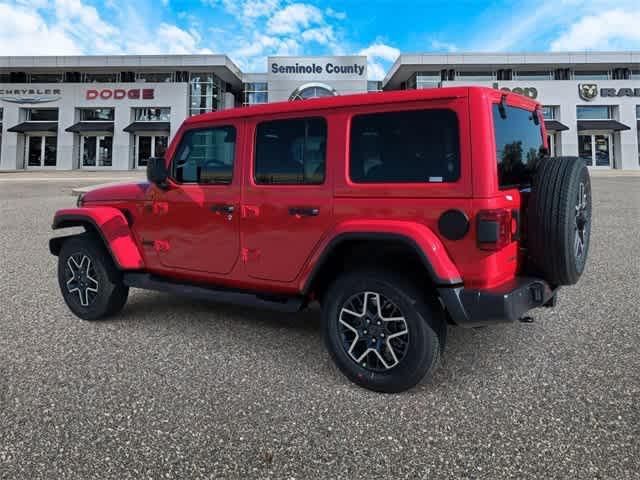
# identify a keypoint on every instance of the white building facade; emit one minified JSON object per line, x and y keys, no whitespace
{"x":114,"y":112}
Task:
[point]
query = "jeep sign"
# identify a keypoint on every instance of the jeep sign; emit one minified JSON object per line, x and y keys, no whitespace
{"x":530,"y":92}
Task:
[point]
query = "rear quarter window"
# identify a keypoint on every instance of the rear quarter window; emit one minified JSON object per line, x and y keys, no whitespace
{"x":519,"y":145}
{"x":405,"y":147}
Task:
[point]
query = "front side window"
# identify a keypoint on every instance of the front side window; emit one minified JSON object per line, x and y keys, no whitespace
{"x":519,"y":145}
{"x":206,"y":156}
{"x":291,"y":152}
{"x":405,"y":147}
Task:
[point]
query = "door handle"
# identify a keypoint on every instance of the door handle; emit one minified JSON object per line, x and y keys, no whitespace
{"x":222,"y":208}
{"x":304,"y":211}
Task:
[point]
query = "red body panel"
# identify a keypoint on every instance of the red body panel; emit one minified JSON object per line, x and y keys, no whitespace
{"x":262,"y":247}
{"x":113,"y":226}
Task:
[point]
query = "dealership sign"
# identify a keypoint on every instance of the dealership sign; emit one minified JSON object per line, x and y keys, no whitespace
{"x":30,"y":95}
{"x":120,"y":94}
{"x":589,"y":91}
{"x":314,"y":68}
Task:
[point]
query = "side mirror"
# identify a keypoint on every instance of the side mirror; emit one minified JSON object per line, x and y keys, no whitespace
{"x":157,"y":172}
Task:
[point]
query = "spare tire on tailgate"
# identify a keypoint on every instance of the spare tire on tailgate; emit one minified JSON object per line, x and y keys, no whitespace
{"x":559,"y":220}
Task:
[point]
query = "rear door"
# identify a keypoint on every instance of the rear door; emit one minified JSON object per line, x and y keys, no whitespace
{"x":288,"y":199}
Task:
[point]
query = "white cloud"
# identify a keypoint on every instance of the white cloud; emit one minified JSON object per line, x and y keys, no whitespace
{"x":321,"y":35}
{"x":334,"y":14}
{"x":293,"y":18}
{"x":71,"y":27}
{"x":379,"y":56}
{"x":25,"y":32}
{"x":614,"y":29}
{"x":380,"y":50}
{"x":443,"y":46}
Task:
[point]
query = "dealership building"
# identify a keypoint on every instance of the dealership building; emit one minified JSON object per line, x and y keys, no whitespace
{"x":114,"y":112}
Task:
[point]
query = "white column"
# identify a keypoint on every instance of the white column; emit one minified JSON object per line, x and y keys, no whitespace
{"x":11,"y":156}
{"x":628,"y":159}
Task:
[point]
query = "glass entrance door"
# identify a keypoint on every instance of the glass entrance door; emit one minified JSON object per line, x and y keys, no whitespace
{"x":148,"y":146}
{"x":96,"y":151}
{"x":41,"y":151}
{"x":596,"y":149}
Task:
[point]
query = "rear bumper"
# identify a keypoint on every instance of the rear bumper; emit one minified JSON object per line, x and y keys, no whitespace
{"x":505,"y":303}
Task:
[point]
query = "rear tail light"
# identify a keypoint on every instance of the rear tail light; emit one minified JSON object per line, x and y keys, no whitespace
{"x":495,"y":228}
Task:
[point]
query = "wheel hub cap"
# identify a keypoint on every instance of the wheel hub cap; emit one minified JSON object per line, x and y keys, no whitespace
{"x":81,"y":279}
{"x":374,"y":331}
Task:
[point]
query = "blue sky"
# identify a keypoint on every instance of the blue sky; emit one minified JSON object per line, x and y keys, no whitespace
{"x":249,"y":31}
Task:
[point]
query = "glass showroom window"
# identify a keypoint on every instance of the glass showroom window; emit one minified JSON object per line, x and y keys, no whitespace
{"x":42,"y":115}
{"x":424,"y":80}
{"x":96,"y":114}
{"x":477,"y":76}
{"x":45,"y":77}
{"x":534,"y":75}
{"x":374,"y":86}
{"x":255,"y":93}
{"x":106,"y":77}
{"x":152,"y":114}
{"x":550,"y":112}
{"x":155,"y":77}
{"x":591,"y":74}
{"x":206,"y":92}
{"x":312,"y":90}
{"x":594,"y":112}
{"x":637,"y":117}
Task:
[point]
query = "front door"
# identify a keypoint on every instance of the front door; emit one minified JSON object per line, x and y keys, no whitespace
{"x":288,"y":201}
{"x":41,"y":151}
{"x":96,"y":151}
{"x":596,"y":149}
{"x":194,"y":224}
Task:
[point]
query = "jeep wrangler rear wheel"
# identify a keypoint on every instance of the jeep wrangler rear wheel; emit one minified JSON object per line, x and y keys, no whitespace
{"x":380,"y":330}
{"x":89,"y":281}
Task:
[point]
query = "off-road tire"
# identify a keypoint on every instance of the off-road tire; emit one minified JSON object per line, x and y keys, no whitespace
{"x":423,"y":322}
{"x":111,"y":294}
{"x":559,"y":208}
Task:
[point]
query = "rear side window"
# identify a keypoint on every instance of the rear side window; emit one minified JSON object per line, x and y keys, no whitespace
{"x":206,"y":156}
{"x":518,"y":145}
{"x":404,"y":147}
{"x":291,"y":152}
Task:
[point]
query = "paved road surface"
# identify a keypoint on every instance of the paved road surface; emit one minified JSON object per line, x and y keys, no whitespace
{"x":182,"y":389}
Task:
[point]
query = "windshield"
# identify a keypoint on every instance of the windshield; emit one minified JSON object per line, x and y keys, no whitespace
{"x":519,"y":145}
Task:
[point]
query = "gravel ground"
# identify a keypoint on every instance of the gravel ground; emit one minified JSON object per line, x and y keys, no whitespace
{"x":175,"y":388}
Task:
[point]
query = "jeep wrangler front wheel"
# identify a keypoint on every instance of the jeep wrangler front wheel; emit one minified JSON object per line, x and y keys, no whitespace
{"x":380,"y":331}
{"x":89,"y":280}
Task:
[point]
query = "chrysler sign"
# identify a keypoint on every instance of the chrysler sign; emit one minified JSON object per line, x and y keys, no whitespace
{"x":30,"y":95}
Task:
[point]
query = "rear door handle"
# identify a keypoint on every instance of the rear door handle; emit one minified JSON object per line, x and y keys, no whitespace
{"x":304,"y":211}
{"x":222,"y":208}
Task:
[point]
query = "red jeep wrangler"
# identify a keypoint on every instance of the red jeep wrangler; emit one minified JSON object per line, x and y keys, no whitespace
{"x":399,"y":212}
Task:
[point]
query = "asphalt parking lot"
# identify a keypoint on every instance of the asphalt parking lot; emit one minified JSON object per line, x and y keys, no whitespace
{"x":175,"y":388}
